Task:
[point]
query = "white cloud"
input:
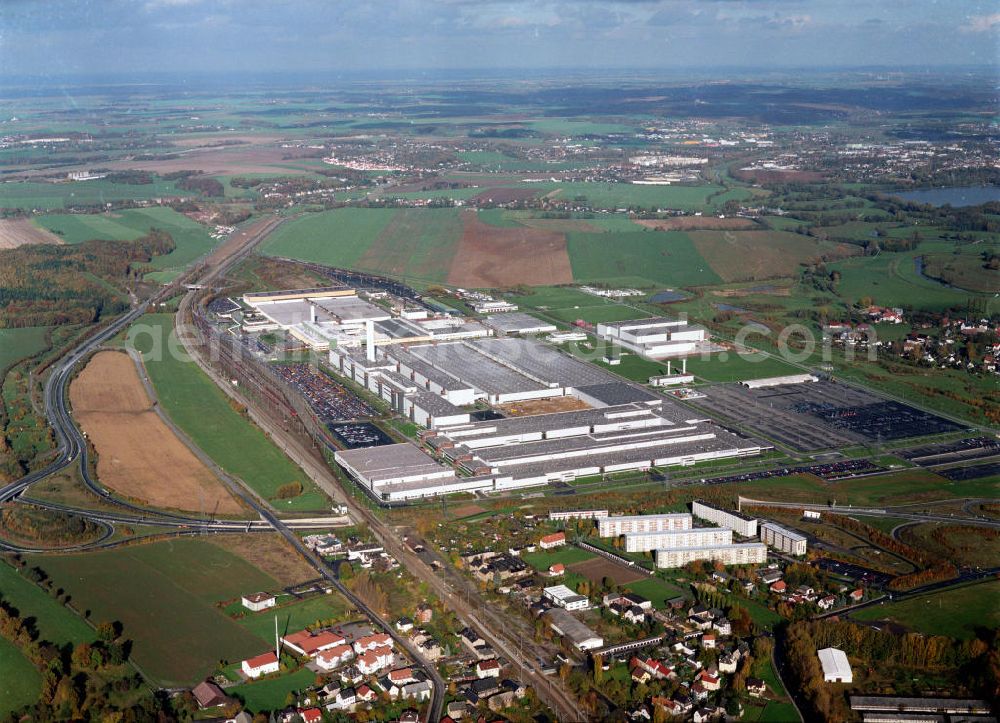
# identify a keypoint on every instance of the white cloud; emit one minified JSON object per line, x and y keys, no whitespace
{"x":982,"y":23}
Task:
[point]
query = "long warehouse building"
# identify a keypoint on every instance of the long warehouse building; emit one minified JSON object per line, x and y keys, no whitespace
{"x":747,"y":553}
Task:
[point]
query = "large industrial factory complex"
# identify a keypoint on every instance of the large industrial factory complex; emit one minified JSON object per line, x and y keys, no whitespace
{"x":443,"y":372}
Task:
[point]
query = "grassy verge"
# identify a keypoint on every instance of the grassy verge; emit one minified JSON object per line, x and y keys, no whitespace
{"x":206,"y":414}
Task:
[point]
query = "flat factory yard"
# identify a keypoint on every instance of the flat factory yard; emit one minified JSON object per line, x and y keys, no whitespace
{"x":493,"y":256}
{"x":529,"y":407}
{"x":16,"y":232}
{"x":599,"y":568}
{"x":139,"y":456}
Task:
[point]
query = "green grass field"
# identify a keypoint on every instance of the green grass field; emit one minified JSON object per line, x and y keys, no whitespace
{"x":337,"y":238}
{"x":567,"y":555}
{"x":295,"y":616}
{"x":203,"y":411}
{"x":165,"y":595}
{"x":192,"y":238}
{"x":965,"y":270}
{"x":20,"y":682}
{"x":597,"y":313}
{"x":956,"y":613}
{"x":269,"y":694}
{"x":643,"y":258}
{"x":53,"y":620}
{"x":405,"y":243}
{"x":656,"y":590}
{"x":623,"y":195}
{"x":891,"y":279}
{"x":736,"y":367}
{"x":17,"y":344}
{"x":46,"y":196}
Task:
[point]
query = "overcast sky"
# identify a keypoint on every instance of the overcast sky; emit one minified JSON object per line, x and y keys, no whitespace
{"x":44,"y":37}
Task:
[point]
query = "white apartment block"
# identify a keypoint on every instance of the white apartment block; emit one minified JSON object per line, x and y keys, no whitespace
{"x":696,"y":537}
{"x":748,"y":553}
{"x":781,"y":539}
{"x":736,"y":521}
{"x":578,"y":515}
{"x":623,"y":525}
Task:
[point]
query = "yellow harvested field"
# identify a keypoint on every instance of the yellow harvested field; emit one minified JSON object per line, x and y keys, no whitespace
{"x":139,"y":456}
{"x":16,"y":232}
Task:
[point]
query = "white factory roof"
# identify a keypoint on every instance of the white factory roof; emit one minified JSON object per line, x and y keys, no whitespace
{"x":834,"y":664}
{"x":644,"y":323}
{"x":390,"y":461}
{"x":518,"y":322}
{"x":776,"y":381}
{"x":561,"y":592}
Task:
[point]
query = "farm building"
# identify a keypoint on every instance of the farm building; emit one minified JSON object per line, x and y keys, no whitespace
{"x":308,"y":644}
{"x":836,"y":668}
{"x":264,"y":664}
{"x":258,"y":601}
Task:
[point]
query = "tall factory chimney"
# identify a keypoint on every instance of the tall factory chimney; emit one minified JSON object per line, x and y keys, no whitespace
{"x":370,"y":339}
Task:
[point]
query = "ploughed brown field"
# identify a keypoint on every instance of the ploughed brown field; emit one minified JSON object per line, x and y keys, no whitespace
{"x":489,"y":256}
{"x":692,"y":223}
{"x":507,"y":195}
{"x":16,"y":232}
{"x":597,"y":569}
{"x":138,"y":455}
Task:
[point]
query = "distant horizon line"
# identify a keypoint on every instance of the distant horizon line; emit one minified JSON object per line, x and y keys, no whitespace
{"x":518,"y":72}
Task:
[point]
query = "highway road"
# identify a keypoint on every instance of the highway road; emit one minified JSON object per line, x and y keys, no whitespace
{"x":72,"y":449}
{"x":876,"y":512}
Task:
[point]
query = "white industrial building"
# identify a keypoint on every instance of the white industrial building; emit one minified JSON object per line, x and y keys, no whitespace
{"x":564,"y":597}
{"x":739,"y":523}
{"x":626,"y":524}
{"x":694,"y":537}
{"x":782,"y":539}
{"x":568,"y":627}
{"x":517,"y":323}
{"x":836,"y":668}
{"x":777,"y":381}
{"x":748,"y":553}
{"x":656,"y":338}
{"x":383,"y":468}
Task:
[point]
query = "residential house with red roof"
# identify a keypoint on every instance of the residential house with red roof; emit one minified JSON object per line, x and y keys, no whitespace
{"x":263,"y":664}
